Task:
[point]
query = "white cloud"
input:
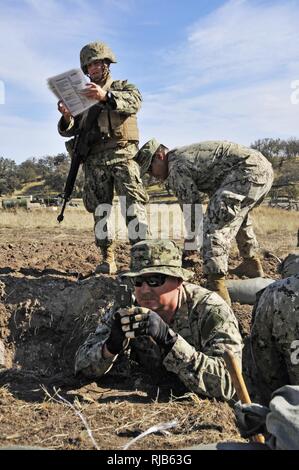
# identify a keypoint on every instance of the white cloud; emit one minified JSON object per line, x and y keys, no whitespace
{"x":2,"y":92}
{"x":241,"y":40}
{"x":231,"y":79}
{"x":42,"y":38}
{"x":243,"y":115}
{"x":122,"y":5}
{"x":39,"y":39}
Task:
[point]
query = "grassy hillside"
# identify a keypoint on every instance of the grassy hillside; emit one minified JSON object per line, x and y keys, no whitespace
{"x":33,"y":187}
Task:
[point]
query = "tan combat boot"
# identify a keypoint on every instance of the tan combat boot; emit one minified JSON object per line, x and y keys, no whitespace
{"x":216,"y":283}
{"x":250,"y":267}
{"x":108,"y":265}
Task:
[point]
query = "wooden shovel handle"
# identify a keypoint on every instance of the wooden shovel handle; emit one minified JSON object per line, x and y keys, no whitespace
{"x":239,"y":385}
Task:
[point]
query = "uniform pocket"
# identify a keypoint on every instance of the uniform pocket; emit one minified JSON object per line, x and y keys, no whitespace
{"x":229,"y":205}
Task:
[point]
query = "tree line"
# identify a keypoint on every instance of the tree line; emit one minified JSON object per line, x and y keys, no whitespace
{"x":277,"y":148}
{"x":52,"y":170}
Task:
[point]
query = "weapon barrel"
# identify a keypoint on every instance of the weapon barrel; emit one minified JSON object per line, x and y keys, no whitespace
{"x":70,"y":183}
{"x":61,"y":216}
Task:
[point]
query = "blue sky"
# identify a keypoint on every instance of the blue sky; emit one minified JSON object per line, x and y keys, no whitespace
{"x":206,"y":69}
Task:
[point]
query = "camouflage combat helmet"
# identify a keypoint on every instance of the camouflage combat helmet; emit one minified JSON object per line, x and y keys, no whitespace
{"x":157,"y":256}
{"x":95,"y":51}
{"x":145,"y":154}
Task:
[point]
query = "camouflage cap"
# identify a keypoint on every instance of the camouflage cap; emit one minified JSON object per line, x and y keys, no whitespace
{"x":157,"y":256}
{"x":145,"y":155}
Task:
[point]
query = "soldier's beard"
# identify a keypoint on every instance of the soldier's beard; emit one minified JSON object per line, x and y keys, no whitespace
{"x":96,"y":78}
{"x":100,"y":77}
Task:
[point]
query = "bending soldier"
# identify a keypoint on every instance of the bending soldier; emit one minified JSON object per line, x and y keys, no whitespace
{"x":235,"y":178}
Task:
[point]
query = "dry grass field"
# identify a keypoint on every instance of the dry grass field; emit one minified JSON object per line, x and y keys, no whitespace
{"x":267,"y":220}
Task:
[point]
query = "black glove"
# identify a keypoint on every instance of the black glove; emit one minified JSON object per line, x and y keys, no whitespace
{"x":117,"y":337}
{"x":145,"y":322}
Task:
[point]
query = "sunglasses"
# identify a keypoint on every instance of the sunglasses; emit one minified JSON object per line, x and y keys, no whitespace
{"x":155,"y":280}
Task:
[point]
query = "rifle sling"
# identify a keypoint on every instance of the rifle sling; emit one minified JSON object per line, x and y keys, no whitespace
{"x":82,"y":147}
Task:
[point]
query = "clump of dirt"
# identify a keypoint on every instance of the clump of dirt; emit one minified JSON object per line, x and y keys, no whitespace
{"x":50,"y":301}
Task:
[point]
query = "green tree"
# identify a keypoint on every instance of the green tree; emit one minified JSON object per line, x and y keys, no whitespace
{"x":9,"y":180}
{"x":27,"y":171}
{"x":270,"y":148}
{"x":58,"y":167}
{"x":277,"y":148}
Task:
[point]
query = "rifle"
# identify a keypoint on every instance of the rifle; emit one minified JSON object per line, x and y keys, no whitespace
{"x":125,"y":296}
{"x":71,"y":177}
{"x":79,"y":154}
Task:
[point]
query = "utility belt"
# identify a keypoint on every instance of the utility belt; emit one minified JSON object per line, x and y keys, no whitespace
{"x":105,"y":143}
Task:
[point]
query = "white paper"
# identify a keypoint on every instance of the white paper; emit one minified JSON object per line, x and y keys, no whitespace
{"x":68,"y":87}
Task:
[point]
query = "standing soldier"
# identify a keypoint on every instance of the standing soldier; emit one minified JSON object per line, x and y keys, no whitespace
{"x":112,"y":144}
{"x":235,"y":178}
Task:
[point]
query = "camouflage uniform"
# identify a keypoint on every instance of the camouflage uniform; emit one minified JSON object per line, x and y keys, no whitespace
{"x":110,"y":163}
{"x":203,"y":321}
{"x":236,"y":179}
{"x":274,"y":339}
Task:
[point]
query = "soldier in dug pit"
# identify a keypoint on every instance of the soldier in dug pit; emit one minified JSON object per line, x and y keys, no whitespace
{"x":235,"y":178}
{"x":173,"y":325}
{"x":112,"y":143}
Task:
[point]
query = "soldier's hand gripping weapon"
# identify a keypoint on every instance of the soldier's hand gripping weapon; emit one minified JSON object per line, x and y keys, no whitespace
{"x":125,"y":296}
{"x":117,"y":341}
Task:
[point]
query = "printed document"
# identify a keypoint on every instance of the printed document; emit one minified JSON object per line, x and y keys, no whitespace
{"x":68,"y":87}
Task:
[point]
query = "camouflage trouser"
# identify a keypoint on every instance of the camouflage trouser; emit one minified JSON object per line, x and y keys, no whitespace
{"x":227,"y":216}
{"x":123,"y":176}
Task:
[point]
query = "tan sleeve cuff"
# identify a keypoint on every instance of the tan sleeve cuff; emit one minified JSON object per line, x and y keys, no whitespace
{"x":181,"y":351}
{"x":62,"y":127}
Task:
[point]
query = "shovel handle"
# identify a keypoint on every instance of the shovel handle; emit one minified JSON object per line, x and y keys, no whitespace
{"x":239,"y":384}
